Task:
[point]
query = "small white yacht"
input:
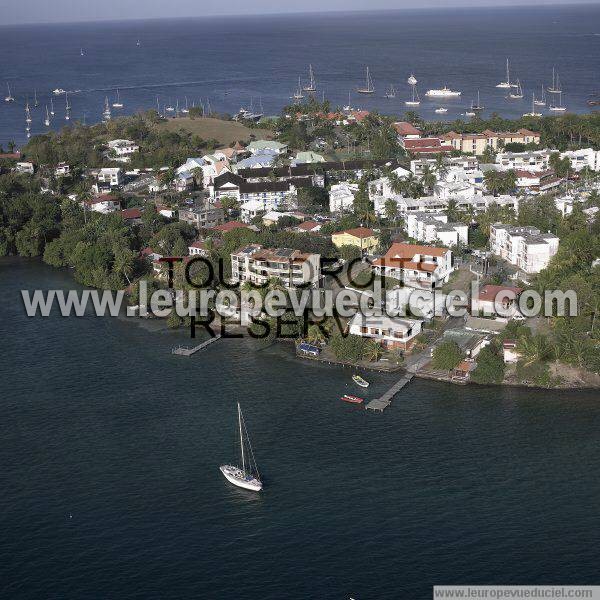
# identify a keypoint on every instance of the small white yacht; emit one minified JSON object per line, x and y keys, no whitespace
{"x":58,"y":91}
{"x":444,"y":92}
{"x":9,"y":97}
{"x":247,"y":475}
{"x":118,"y":103}
{"x":441,"y":110}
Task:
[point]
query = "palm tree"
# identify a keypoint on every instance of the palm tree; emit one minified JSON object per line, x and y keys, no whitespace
{"x":536,"y":348}
{"x":315,"y":335}
{"x":428,"y":178}
{"x":372,"y":351}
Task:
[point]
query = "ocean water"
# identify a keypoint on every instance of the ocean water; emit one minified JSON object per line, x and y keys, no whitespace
{"x":110,"y":488}
{"x":230,"y":62}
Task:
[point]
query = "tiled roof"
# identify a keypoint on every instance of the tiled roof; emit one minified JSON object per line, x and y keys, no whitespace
{"x":358,"y":232}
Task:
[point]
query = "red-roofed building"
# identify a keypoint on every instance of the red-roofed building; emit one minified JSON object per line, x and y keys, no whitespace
{"x":477,"y":143}
{"x":308,"y":227}
{"x":424,"y":267}
{"x":361,"y":237}
{"x":132,"y":215}
{"x":104,"y":203}
{"x":420,"y":146}
{"x":497,"y":299}
{"x":230,"y":226}
{"x":406,"y":131}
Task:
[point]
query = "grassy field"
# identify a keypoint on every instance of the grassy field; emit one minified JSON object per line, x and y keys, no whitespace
{"x":225,"y":132}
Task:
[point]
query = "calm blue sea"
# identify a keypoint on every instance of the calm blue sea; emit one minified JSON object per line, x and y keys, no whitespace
{"x":231,"y":61}
{"x":110,"y":488}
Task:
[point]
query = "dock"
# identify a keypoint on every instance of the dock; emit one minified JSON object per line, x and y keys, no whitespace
{"x":190,"y":350}
{"x":384,"y":401}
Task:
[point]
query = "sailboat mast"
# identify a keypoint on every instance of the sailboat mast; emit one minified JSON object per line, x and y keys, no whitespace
{"x":241,"y":437}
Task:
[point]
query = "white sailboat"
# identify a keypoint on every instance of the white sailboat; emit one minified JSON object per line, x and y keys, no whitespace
{"x":555,"y":87}
{"x":312,"y":84}
{"x":348,"y":106}
{"x":169,"y":107}
{"x":558,"y":107}
{"x":67,"y":107}
{"x":441,"y":110}
{"x":35,"y":99}
{"x":505,"y":85}
{"x":532,"y":113}
{"x":118,"y":103}
{"x":47,"y":119}
{"x":81,"y":52}
{"x":27,"y":113}
{"x":369,"y":87}
{"x":51,"y":107}
{"x":477,"y":107}
{"x":138,"y":44}
{"x":518,"y":94}
{"x":391,"y":92}
{"x":185,"y":110}
{"x":298,"y":95}
{"x":9,"y":97}
{"x":415,"y":100}
{"x":106,"y":114}
{"x":247,"y":475}
{"x":542,"y":101}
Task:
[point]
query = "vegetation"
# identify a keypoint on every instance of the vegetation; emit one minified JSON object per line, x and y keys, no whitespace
{"x":490,"y":366}
{"x":446,"y":356}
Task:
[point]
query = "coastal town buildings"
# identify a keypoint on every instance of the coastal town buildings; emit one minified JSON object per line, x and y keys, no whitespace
{"x":580,"y":159}
{"x":104,"y":203}
{"x":122,"y":150}
{"x":341,"y":197}
{"x":111,"y":176}
{"x":206,"y":215}
{"x":534,"y":160}
{"x":497,"y":300}
{"x":524,"y":247}
{"x":424,"y":267}
{"x":292,"y":268}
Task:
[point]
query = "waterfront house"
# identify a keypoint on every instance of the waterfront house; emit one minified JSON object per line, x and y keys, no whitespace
{"x":361,"y":237}
{"x":424,"y":267}
{"x":524,"y":247}
{"x":510,"y":353}
{"x":434,"y":227}
{"x":393,"y":333}
{"x":111,"y":176}
{"x":292,"y":268}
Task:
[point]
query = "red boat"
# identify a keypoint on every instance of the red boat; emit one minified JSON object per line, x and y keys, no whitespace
{"x":352,"y":399}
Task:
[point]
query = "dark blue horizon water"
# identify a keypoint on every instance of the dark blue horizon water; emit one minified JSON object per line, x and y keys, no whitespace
{"x":230,"y":60}
{"x":110,"y":487}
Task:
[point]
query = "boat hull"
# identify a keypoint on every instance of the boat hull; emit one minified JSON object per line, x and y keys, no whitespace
{"x":240,"y":479}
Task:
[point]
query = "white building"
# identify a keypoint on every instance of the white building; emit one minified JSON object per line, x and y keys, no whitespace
{"x":434,"y":227}
{"x":123,"y":149}
{"x":113,"y":176}
{"x":580,"y":159}
{"x":259,"y":146}
{"x":424,"y":267}
{"x":536,"y":160}
{"x":393,"y":333}
{"x":293,"y":268}
{"x":341,"y":197}
{"x":24,"y":167}
{"x":466,"y":164}
{"x":105,"y":203}
{"x":525,"y":247}
{"x":62,"y":170}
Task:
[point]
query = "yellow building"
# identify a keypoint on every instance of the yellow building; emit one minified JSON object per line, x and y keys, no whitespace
{"x":361,"y":237}
{"x":477,"y":143}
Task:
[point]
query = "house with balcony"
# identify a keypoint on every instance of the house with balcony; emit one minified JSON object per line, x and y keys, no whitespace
{"x":434,"y":227}
{"x":104,"y":203}
{"x":122,"y":150}
{"x":535,"y":160}
{"x":111,"y":176}
{"x":423,"y":267}
{"x":524,"y":247}
{"x":258,"y":265}
{"x":393,"y":333}
{"x":497,"y":300}
{"x":478,"y":143}
{"x":205,"y":216}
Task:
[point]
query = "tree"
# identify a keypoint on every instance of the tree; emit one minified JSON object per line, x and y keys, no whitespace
{"x":535,"y":348}
{"x":428,"y":178}
{"x":446,"y":356}
{"x":390,"y":209}
{"x":349,"y":252}
{"x":490,"y":367}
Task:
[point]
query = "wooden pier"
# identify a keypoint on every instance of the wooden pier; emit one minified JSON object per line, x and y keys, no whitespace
{"x":189,"y":350}
{"x":384,"y":401}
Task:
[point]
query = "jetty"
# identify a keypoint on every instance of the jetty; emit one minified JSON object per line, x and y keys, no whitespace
{"x":384,"y":401}
{"x":190,"y":350}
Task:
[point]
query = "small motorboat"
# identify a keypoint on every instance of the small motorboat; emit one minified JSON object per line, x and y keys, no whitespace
{"x":360,"y":381}
{"x":441,"y":110}
{"x":352,"y":399}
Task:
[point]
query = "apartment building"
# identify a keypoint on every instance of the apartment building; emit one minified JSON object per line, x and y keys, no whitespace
{"x":423,"y":267}
{"x":434,"y":227}
{"x":467,"y":164}
{"x":524,"y":247}
{"x":588,"y":157}
{"x":477,"y":143}
{"x":204,"y":216}
{"x":112,"y":176}
{"x":293,"y":268}
{"x":536,"y":160}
